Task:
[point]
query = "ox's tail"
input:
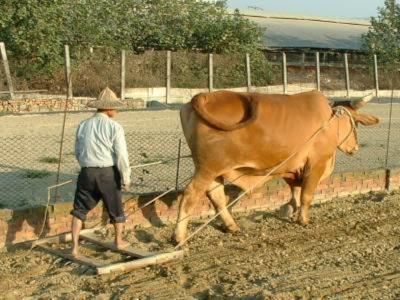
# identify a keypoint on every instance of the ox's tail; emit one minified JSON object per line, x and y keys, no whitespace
{"x":218,"y":120}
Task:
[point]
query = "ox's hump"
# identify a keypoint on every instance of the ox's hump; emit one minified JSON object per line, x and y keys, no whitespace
{"x":226,"y":110}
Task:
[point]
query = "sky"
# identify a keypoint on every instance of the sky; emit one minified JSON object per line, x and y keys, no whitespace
{"x":321,"y":8}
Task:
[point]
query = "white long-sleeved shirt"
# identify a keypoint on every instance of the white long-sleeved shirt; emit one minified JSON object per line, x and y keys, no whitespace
{"x":100,"y":142}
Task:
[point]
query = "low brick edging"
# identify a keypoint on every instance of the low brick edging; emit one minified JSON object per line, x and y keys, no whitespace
{"x":24,"y":225}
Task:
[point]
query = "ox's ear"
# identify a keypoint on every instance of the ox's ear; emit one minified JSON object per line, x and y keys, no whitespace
{"x":366,"y":120}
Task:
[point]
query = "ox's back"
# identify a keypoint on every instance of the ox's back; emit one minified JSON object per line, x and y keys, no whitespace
{"x":239,"y":113}
{"x":279,"y":125}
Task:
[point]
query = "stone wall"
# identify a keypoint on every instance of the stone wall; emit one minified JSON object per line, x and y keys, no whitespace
{"x":55,"y":104}
{"x":24,"y":225}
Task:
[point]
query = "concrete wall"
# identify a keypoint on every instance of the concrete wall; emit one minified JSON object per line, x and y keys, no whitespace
{"x":24,"y":225}
{"x":178,"y":95}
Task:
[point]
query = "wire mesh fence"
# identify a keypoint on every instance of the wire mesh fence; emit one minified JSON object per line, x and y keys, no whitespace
{"x":29,"y":163}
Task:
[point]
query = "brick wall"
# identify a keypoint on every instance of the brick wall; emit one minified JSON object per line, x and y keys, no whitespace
{"x":55,"y":104}
{"x":23,"y":225}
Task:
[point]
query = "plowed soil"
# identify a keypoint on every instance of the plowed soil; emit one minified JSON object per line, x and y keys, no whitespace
{"x":351,"y":249}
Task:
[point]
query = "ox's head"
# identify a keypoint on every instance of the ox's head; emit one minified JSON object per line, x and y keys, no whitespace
{"x":348,"y":118}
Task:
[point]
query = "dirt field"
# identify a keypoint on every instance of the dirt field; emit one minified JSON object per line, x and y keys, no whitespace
{"x":351,"y":250}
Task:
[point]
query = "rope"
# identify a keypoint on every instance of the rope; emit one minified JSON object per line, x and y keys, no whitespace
{"x":339,"y":111}
{"x":159,"y":162}
{"x":156,"y":198}
{"x":258,"y":182}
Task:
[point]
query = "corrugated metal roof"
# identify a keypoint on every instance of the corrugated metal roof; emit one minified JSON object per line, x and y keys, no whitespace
{"x":309,"y":32}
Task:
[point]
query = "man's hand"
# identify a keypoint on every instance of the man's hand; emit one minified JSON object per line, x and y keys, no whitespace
{"x":126,"y":186}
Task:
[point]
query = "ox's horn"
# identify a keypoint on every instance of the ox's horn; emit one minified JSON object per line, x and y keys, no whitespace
{"x":357,"y":104}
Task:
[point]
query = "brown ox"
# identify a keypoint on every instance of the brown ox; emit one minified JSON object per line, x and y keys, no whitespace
{"x":238,"y":137}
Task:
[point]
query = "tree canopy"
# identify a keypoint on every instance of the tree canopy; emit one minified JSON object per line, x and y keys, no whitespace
{"x":37,"y":30}
{"x":383,"y":38}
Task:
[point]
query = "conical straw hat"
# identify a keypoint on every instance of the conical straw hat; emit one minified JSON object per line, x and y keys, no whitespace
{"x":106,"y":100}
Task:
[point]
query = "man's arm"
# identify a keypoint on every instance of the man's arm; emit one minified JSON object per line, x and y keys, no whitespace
{"x":122,"y":156}
{"x":77,"y":146}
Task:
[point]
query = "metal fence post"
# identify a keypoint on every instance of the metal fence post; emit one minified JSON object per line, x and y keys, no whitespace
{"x":210,"y":73}
{"x":168,"y":77}
{"x":376,"y":75}
{"x":122,"y":74}
{"x":318,"y":71}
{"x":284,"y":72}
{"x":248,"y":72}
{"x":68,"y":72}
{"x":303,"y":61}
{"x":178,"y":165}
{"x":7,"y":70}
{"x":346,"y":66}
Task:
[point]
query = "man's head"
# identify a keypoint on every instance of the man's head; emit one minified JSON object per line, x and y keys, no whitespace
{"x":109,"y":112}
{"x":107,"y":103}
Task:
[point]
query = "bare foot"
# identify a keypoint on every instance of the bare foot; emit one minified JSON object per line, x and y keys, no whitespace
{"x":122,"y":245}
{"x":75,"y":252}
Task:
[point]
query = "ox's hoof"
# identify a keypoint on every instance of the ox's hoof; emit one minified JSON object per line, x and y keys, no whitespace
{"x":303,"y":220}
{"x":286,"y":211}
{"x":178,"y":239}
{"x":232,"y":228}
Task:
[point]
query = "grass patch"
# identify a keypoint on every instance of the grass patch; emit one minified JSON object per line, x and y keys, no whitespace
{"x":32,"y":174}
{"x":49,"y":160}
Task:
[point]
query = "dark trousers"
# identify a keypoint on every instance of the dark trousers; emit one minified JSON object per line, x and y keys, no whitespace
{"x":95,"y":184}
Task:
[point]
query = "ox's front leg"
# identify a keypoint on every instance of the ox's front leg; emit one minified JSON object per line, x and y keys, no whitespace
{"x":193,"y":192}
{"x":308,"y":187}
{"x":218,"y":198}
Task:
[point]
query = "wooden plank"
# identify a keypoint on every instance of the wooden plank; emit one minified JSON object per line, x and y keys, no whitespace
{"x":210,"y":72}
{"x":248,"y":72}
{"x":318,"y":71}
{"x":62,"y":238}
{"x":141,"y":263}
{"x":68,"y":78}
{"x":376,"y":75}
{"x":91,"y":237}
{"x":168,"y":78}
{"x":83,"y":260}
{"x":7,"y":69}
{"x":122,"y":74}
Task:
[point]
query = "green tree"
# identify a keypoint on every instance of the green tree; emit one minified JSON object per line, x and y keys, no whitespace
{"x":35,"y":31}
{"x":383,"y":38}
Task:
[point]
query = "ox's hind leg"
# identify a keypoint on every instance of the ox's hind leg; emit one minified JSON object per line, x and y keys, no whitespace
{"x":194,"y":191}
{"x":218,"y":198}
{"x":290,"y":209}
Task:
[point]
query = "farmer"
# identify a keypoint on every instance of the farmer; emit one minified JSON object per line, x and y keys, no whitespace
{"x":100,"y":149}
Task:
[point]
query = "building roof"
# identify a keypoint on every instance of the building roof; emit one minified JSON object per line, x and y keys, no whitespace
{"x":291,"y":31}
